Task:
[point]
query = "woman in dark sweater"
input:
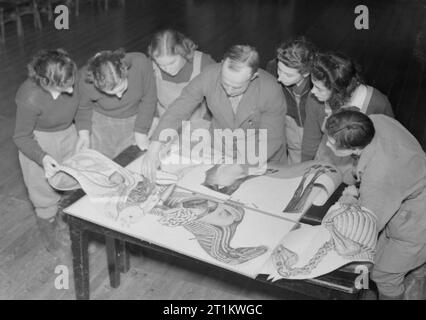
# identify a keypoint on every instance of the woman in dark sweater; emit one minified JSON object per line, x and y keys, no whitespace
{"x":47,"y":103}
{"x":291,"y":67}
{"x":336,"y":84}
{"x":118,"y":102}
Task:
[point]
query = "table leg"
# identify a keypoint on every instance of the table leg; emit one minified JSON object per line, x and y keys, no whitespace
{"x":123,"y":256}
{"x":80,"y":260}
{"x":112,"y":249}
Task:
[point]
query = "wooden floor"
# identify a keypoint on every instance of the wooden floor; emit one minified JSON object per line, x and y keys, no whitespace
{"x":392,"y":54}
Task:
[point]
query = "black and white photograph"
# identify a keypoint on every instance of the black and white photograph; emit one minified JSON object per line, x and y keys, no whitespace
{"x":215,"y":156}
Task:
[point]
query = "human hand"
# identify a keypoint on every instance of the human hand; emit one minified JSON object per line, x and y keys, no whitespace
{"x":349,"y":195}
{"x":83,"y":141}
{"x":142,"y":141}
{"x":50,"y":166}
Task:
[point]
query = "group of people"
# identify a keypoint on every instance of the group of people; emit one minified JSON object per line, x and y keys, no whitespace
{"x":313,"y":105}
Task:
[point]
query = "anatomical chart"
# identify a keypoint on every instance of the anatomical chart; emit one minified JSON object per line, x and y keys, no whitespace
{"x":348,"y":233}
{"x":245,"y":231}
{"x":285,"y":191}
{"x":208,"y":229}
{"x":116,"y":190}
{"x":282,"y":191}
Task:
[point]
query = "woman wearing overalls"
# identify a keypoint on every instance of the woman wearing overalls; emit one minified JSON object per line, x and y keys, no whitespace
{"x":292,"y":68}
{"x":176,"y":62}
{"x":390,"y":175}
{"x":336,"y":84}
{"x":118,"y":102}
{"x":47,"y":103}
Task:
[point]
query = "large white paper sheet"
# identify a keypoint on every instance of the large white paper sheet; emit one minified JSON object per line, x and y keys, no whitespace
{"x":256,"y":230}
{"x":348,"y":233}
{"x":250,"y":229}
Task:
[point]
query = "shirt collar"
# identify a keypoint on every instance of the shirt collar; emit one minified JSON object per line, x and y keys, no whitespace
{"x":304,"y":87}
{"x":358,"y":97}
{"x":54,"y":94}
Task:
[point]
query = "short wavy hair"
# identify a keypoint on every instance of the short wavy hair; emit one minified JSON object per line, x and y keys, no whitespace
{"x":350,"y":128}
{"x":171,"y":42}
{"x":242,"y":55}
{"x":339,"y":74}
{"x":297,"y":54}
{"x":51,"y":68}
{"x":107,"y":68}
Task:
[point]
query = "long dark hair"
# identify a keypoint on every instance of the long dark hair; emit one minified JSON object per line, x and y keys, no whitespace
{"x":339,"y":74}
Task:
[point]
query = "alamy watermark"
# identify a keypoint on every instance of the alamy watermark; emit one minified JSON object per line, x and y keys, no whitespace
{"x":62,"y":20}
{"x":62,"y":281}
{"x":362,"y":281}
{"x":219,"y":146}
{"x":362,"y":21}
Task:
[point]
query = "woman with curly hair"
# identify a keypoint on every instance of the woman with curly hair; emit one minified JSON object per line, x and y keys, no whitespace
{"x":118,"y":102}
{"x":292,"y":69}
{"x":45,"y":135}
{"x":176,"y":61}
{"x":336,"y":84}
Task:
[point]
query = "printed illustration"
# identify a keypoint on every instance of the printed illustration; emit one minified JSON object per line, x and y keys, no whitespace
{"x":305,"y":187}
{"x":124,"y":195}
{"x":127,"y":197}
{"x":211,"y":222}
{"x":228,"y":190}
{"x":350,"y":233}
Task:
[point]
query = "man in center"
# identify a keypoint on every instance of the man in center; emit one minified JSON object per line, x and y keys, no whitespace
{"x":239,"y":95}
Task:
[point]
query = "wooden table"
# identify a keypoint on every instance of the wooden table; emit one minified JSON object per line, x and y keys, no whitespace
{"x":339,"y":284}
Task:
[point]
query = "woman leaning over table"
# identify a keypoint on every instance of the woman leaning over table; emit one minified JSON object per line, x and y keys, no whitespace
{"x":45,"y":135}
{"x":118,"y":102}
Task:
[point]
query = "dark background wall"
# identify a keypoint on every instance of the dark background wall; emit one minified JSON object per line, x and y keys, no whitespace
{"x":391,"y":52}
